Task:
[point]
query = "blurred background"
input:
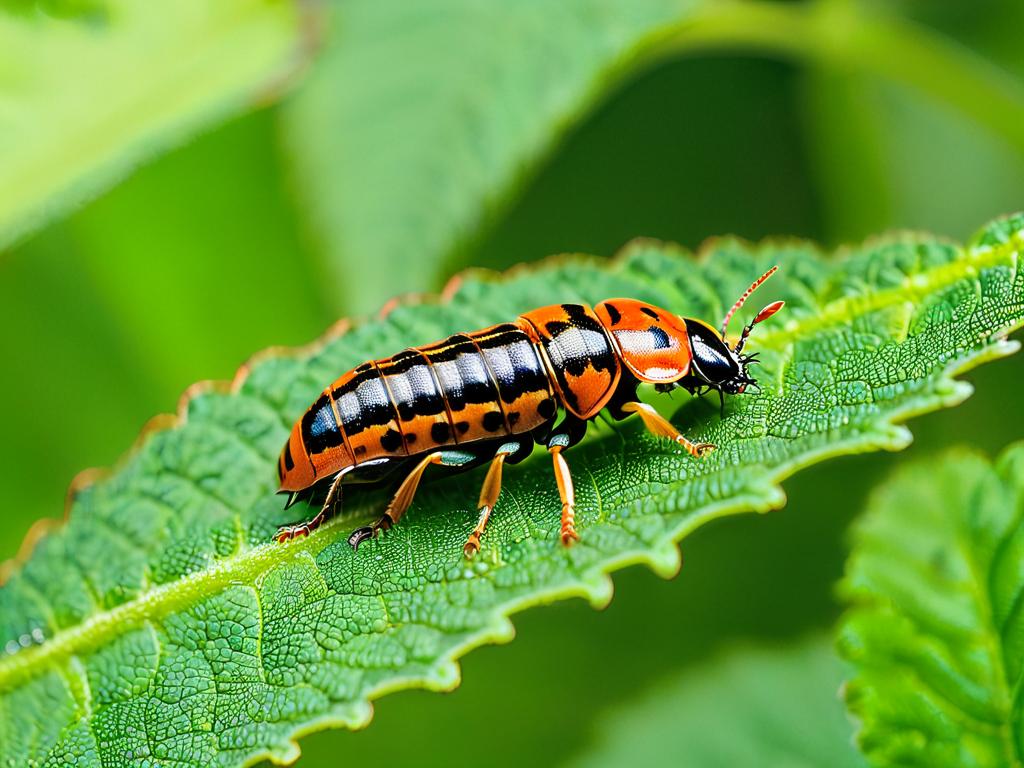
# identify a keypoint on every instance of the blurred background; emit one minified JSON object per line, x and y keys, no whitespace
{"x":178,"y":193}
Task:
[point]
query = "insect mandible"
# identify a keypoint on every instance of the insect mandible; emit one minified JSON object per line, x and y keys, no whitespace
{"x":490,"y":395}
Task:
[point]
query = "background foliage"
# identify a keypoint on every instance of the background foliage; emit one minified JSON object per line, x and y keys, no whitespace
{"x":214,"y":249}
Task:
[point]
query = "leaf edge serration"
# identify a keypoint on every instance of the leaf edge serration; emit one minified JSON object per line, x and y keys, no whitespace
{"x":595,"y":585}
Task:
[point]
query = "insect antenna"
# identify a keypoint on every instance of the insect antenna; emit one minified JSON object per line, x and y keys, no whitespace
{"x":746,"y":295}
{"x":761,"y":316}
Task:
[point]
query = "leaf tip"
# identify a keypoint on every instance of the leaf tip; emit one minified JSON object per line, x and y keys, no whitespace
{"x":444,"y":676}
{"x":665,"y":559}
{"x":896,"y":437}
{"x":598,"y":590}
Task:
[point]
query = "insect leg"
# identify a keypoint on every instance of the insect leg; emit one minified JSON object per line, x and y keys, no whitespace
{"x":660,"y":426}
{"x":566,"y":492}
{"x":489,"y":496}
{"x":404,"y":495}
{"x":289,"y":532}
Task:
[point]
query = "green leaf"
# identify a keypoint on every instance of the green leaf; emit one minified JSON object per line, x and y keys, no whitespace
{"x":161,"y":624}
{"x":755,"y":707}
{"x":936,"y":630}
{"x":415,"y":122}
{"x":86,"y":97}
{"x":418,"y":127}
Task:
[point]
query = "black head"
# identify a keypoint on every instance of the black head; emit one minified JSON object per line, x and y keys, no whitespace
{"x":716,"y":365}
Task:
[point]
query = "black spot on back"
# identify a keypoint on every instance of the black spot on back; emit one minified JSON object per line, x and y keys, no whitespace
{"x":613,"y":313}
{"x":660,"y":337}
{"x":391,"y":440}
{"x":650,"y":312}
{"x":546,"y":408}
{"x":493,"y":421}
{"x":440,"y":432}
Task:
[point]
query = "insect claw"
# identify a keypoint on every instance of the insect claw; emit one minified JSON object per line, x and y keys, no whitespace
{"x":291,"y":532}
{"x":359,"y":535}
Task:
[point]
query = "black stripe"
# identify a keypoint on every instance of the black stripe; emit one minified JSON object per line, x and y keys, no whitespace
{"x":515,"y":364}
{"x":447,"y":350}
{"x":363,"y":401}
{"x":577,"y":343}
{"x":414,"y":388}
{"x":319,"y":427}
{"x":400,"y":363}
{"x":497,"y":335}
{"x":462,"y":373}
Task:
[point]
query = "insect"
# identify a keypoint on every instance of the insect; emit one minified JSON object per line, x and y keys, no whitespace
{"x":488,"y":396}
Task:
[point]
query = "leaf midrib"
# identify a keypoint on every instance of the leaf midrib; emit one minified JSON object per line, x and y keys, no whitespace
{"x":990,"y":630}
{"x":247,"y":565}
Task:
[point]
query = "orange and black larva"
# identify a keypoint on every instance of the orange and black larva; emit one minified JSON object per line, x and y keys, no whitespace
{"x":489,"y":395}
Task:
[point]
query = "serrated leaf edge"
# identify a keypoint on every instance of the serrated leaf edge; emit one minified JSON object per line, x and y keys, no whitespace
{"x":764,"y":493}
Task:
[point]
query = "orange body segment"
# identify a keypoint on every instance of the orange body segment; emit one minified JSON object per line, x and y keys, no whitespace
{"x":294,"y":467}
{"x":653,"y":344}
{"x":578,"y":354}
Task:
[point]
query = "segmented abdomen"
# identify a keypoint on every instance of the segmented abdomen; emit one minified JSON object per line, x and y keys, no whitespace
{"x":476,"y":386}
{"x":581,"y":357}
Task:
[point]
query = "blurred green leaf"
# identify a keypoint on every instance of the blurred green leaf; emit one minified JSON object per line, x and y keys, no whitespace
{"x":417,"y":128}
{"x":161,"y":624}
{"x":416,"y":121}
{"x":936,"y":580}
{"x":126,"y":334}
{"x":86,"y":97}
{"x":874,"y":171}
{"x":754,"y":707}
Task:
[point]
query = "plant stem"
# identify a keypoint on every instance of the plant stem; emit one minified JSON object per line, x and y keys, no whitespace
{"x":843,"y":36}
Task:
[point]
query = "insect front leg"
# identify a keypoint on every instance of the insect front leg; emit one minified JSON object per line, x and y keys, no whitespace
{"x":406,"y":491}
{"x":658,"y":425}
